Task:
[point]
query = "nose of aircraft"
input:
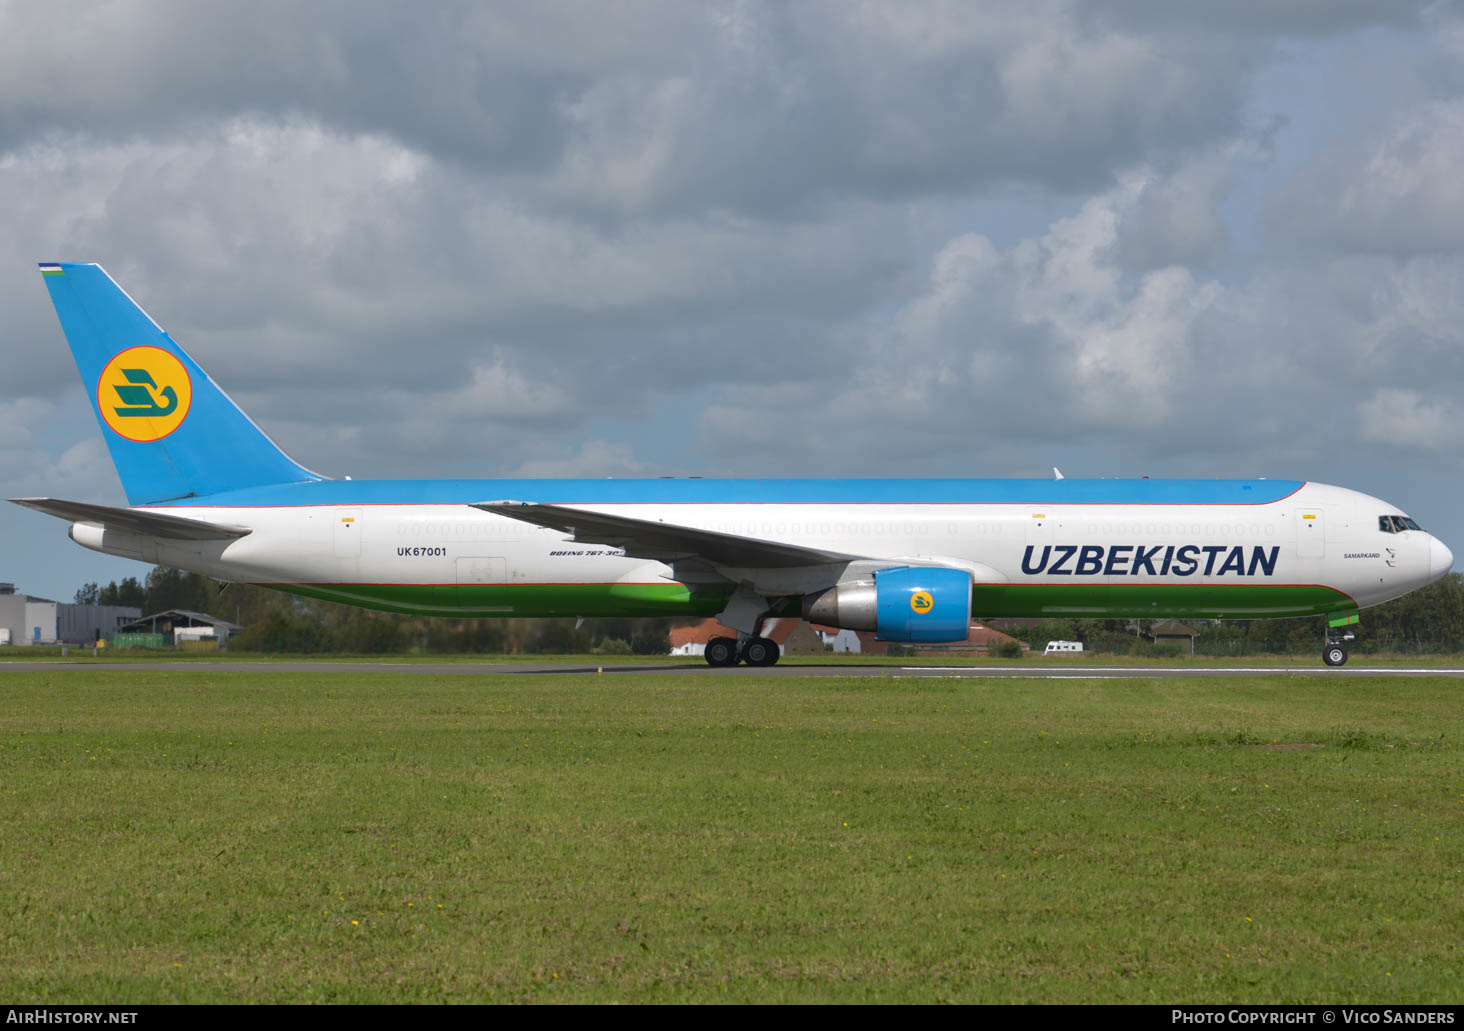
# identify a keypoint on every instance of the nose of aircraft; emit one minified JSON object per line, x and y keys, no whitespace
{"x":1440,"y":559}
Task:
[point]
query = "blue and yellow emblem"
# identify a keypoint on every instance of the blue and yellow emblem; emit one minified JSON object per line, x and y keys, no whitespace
{"x":921,"y":602}
{"x":144,"y":394}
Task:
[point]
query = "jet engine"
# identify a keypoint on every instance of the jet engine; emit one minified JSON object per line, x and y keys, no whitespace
{"x":916,"y":604}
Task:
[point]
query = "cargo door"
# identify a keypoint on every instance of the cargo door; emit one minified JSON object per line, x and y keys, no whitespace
{"x":481,"y":570}
{"x":480,"y":580}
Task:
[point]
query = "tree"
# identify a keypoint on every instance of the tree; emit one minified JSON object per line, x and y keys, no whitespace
{"x":128,"y":593}
{"x":174,"y":589}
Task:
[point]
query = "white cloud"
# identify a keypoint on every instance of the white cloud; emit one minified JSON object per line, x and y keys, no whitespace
{"x":1406,"y":419}
{"x":1057,"y":315}
{"x":497,"y":392}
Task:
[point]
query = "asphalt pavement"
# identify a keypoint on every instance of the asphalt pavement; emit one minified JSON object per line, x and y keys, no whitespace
{"x":698,"y":667}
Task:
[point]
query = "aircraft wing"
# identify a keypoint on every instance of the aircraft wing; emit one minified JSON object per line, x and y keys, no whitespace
{"x":665,"y":542}
{"x":132,"y":520}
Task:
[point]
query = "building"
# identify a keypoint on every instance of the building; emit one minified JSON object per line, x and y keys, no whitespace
{"x":25,"y":619}
{"x":984,"y":640}
{"x":793,"y":636}
{"x":87,"y":624}
{"x":1172,"y":631}
{"x":178,"y":625}
{"x":692,"y":640}
{"x":840,"y":642}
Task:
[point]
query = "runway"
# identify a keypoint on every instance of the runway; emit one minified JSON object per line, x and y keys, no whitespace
{"x":700,"y":668}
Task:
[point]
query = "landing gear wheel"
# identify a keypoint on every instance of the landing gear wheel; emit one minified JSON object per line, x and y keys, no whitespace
{"x":721,"y":651}
{"x":760,"y":652}
{"x":1334,"y":655}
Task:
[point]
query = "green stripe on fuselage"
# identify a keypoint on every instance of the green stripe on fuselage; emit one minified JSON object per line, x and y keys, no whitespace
{"x":521,"y":600}
{"x":1184,"y":601}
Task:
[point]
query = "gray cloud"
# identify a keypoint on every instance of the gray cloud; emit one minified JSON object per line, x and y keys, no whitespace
{"x":647,"y":107}
{"x":1015,"y":352}
{"x":1394,"y":190}
{"x":1265,"y":18}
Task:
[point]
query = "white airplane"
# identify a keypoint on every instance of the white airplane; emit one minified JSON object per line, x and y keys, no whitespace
{"x":909,"y":559}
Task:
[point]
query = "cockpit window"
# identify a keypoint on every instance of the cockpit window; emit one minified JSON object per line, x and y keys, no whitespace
{"x":1385,"y":523}
{"x":1411,"y":524}
{"x":1398,"y":525}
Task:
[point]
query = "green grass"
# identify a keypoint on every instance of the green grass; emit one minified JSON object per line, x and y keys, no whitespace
{"x":207,"y":837}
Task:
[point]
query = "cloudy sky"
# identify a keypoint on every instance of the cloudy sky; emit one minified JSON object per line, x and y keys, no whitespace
{"x":1123,"y":237}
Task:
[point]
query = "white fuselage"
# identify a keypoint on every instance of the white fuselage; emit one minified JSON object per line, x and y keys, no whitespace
{"x":1322,"y":544}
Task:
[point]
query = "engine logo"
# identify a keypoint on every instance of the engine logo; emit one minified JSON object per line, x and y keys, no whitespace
{"x":144,"y":394}
{"x":921,"y":602}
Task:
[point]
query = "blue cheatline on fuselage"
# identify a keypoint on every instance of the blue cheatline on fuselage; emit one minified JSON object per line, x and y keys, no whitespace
{"x":694,"y":491}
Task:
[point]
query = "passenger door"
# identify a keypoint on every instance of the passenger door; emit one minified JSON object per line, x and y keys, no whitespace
{"x":1311,"y":533}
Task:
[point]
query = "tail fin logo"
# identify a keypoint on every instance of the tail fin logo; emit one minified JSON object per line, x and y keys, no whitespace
{"x":144,"y":394}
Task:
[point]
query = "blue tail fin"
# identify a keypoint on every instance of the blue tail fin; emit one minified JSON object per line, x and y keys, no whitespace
{"x":172,"y":432}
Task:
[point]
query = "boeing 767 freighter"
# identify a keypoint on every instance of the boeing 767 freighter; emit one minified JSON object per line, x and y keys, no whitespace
{"x":911,"y":560}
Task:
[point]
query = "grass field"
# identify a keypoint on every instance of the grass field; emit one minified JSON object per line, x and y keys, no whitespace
{"x":261,"y":836}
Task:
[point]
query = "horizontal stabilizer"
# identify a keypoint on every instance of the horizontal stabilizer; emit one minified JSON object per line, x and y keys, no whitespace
{"x":645,"y":538}
{"x":131,"y":520}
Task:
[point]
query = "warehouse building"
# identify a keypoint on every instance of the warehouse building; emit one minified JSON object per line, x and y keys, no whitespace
{"x":176,"y":627}
{"x":88,"y":624}
{"x":25,"y":619}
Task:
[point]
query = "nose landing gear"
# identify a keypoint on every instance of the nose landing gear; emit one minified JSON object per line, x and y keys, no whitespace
{"x":1335,"y":653}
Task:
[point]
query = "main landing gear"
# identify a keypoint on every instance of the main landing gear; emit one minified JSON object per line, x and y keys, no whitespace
{"x":746,"y":612}
{"x":755,"y":651}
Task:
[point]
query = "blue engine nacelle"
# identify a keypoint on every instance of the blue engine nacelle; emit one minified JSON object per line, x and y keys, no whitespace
{"x":915,"y":604}
{"x":923,"y":604}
